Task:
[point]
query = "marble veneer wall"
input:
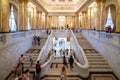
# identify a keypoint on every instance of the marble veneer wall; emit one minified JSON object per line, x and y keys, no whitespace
{"x":11,"y":47}
{"x":110,"y":51}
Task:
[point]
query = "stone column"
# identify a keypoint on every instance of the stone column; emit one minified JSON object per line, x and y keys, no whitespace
{"x":21,"y":14}
{"x":4,"y":15}
{"x":83,"y":20}
{"x":40,"y":14}
{"x":73,"y":18}
{"x":0,"y":17}
{"x":34,"y":18}
{"x":80,"y":19}
{"x":76,"y":21}
{"x":45,"y":21}
{"x":38,"y":20}
{"x":118,"y":17}
{"x":102,"y":14}
{"x":57,"y":22}
{"x":49,"y":25}
{"x":25,"y":15}
{"x":89,"y":18}
{"x":98,"y":15}
{"x":66,"y":21}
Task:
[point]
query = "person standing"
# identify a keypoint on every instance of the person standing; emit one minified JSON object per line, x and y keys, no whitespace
{"x":65,"y":61}
{"x":38,"y":39}
{"x":38,"y":70}
{"x":31,"y":59}
{"x":71,"y":60}
{"x":21,"y":60}
{"x":34,"y":39}
{"x":55,"y":52}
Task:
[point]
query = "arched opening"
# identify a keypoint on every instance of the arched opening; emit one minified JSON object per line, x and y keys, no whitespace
{"x":110,"y":18}
{"x":13,"y":19}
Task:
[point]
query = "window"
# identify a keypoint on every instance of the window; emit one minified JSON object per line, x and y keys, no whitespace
{"x":29,"y":26}
{"x":12,"y":22}
{"x":109,"y":20}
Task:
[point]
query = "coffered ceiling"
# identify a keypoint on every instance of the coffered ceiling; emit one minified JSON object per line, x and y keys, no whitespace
{"x":61,"y":5}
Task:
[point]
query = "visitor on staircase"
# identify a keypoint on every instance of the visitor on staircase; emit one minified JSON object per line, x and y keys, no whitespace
{"x":71,"y":60}
{"x":65,"y":61}
{"x":21,"y":60}
{"x":26,"y":75}
{"x":31,"y":59}
{"x":38,"y":70}
{"x":63,"y":73}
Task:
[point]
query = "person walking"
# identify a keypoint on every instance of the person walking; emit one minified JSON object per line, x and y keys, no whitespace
{"x":21,"y":60}
{"x":38,"y":70}
{"x":38,"y":39}
{"x":71,"y":60}
{"x":65,"y":61}
{"x":63,"y":73}
{"x":26,"y":75}
{"x":31,"y":59}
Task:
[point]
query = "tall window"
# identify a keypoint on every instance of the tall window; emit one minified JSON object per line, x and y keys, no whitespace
{"x":109,"y":20}
{"x":29,"y":25}
{"x":12,"y":22}
{"x":30,"y":10}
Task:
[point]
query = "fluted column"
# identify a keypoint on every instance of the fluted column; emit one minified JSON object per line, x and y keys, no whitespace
{"x":45,"y":21}
{"x":21,"y":15}
{"x":76,"y":22}
{"x":34,"y":18}
{"x":89,"y":18}
{"x":66,"y":21}
{"x":118,"y":17}
{"x":4,"y":15}
{"x":73,"y":18}
{"x":83,"y":20}
{"x":57,"y":22}
{"x":80,"y":17}
{"x":49,"y":22}
{"x":103,"y":14}
{"x":85,"y":14}
{"x":40,"y":20}
{"x":25,"y":15}
{"x":98,"y":15}
{"x":0,"y":17}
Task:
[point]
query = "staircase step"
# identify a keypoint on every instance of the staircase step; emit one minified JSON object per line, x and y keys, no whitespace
{"x":32,"y":69}
{"x":92,"y":54}
{"x":96,"y":60}
{"x":98,"y":63}
{"x":100,"y":70}
{"x":58,"y":78}
{"x":94,"y":57}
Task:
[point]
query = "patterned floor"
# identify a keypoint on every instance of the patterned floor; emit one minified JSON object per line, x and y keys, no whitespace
{"x":102,"y":77}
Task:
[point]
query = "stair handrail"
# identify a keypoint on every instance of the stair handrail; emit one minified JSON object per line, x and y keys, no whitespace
{"x":45,"y":49}
{"x":46,"y":65}
{"x":82,"y":64}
